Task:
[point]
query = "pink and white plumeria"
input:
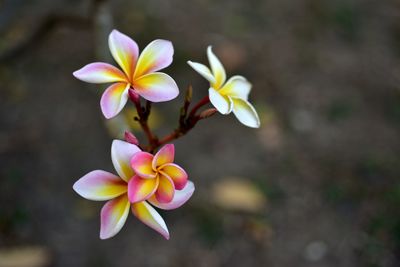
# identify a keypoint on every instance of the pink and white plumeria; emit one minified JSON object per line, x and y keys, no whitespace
{"x":228,"y":96}
{"x":157,"y":177}
{"x":138,"y":72}
{"x":101,"y":185}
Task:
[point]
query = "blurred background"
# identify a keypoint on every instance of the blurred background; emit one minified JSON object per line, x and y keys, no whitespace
{"x":317,"y":185}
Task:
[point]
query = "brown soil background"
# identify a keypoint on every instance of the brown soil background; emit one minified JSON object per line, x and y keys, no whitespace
{"x":326,"y":82}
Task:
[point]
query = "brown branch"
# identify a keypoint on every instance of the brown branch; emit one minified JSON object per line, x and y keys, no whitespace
{"x":202,"y":102}
{"x":187,"y":123}
{"x":142,"y":118}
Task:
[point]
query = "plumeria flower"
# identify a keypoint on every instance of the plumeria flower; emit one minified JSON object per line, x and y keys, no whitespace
{"x":157,"y":177}
{"x":228,"y":96}
{"x":138,"y":72}
{"x":100,"y":185}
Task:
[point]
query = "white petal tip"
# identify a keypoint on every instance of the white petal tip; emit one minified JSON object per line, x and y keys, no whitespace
{"x":254,"y":123}
{"x":245,"y":113}
{"x":164,"y":233}
{"x":251,"y":124}
{"x":114,"y":32}
{"x":75,"y":187}
{"x":255,"y":126}
{"x":78,"y":74}
{"x":103,"y":236}
{"x":108,"y":116}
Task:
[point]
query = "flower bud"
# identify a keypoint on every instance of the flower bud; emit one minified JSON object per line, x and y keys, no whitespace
{"x":130,"y":138}
{"x":133,"y":95}
{"x":207,"y":113}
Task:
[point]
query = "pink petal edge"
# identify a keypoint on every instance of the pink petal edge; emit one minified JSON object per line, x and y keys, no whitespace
{"x":114,"y":99}
{"x":113,"y":216}
{"x":180,"y":198}
{"x":99,"y":72}
{"x":100,"y":185}
{"x":165,"y":155}
{"x":176,"y":173}
{"x":141,"y":163}
{"x":140,"y":189}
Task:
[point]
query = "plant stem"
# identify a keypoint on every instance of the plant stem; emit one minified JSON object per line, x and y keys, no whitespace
{"x":185,"y":124}
{"x":202,"y":102}
{"x":143,"y":115}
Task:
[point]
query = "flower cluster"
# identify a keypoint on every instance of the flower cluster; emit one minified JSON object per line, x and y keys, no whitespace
{"x":146,"y":180}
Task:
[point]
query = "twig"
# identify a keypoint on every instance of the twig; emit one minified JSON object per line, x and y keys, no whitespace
{"x":186,"y":123}
{"x":143,"y":116}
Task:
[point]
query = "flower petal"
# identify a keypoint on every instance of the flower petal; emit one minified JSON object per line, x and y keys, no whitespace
{"x":156,"y":87}
{"x":180,"y":197}
{"x":113,"y":216}
{"x":114,"y":99}
{"x":100,"y":185}
{"x":121,"y":154}
{"x":237,"y":86}
{"x":166,"y":189}
{"x":203,"y":71}
{"x":222,"y":103}
{"x":124,"y":50}
{"x":140,"y":189}
{"x":245,"y":113}
{"x":149,"y":216}
{"x":165,"y":155}
{"x":176,"y":173}
{"x":155,"y":56}
{"x":99,"y":72}
{"x":141,"y":163}
{"x":217,"y":69}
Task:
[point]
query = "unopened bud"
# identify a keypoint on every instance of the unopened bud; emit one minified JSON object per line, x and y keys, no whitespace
{"x":133,"y":95}
{"x":130,"y":138}
{"x":207,"y":113}
{"x":189,"y":93}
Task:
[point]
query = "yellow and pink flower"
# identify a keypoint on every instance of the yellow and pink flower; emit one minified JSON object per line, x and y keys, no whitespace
{"x":228,"y":96}
{"x":100,"y":185}
{"x":138,"y":72}
{"x":157,"y":177}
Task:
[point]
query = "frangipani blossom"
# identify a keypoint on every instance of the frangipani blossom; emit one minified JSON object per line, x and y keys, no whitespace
{"x":157,"y":177}
{"x":100,"y":185}
{"x":138,"y":72}
{"x":228,"y":96}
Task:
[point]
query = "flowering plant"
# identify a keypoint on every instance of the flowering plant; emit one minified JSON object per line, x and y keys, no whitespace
{"x":146,"y":180}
